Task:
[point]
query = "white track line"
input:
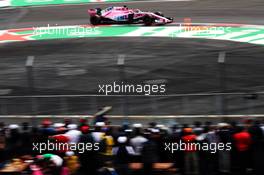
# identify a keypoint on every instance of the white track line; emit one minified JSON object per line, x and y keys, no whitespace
{"x":97,"y":3}
{"x":130,"y":117}
{"x":260,"y":26}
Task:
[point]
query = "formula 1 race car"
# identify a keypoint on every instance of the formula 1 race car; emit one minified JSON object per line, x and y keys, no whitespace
{"x":124,"y":15}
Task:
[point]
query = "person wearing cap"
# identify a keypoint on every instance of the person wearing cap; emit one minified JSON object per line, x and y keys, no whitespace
{"x":190,"y":152}
{"x":106,"y":146}
{"x":88,"y":159}
{"x":122,"y":155}
{"x":59,"y":128}
{"x":137,"y":142}
{"x":73,"y":134}
{"x":46,"y":130}
{"x":150,"y":151}
{"x":242,"y":143}
{"x":225,"y":137}
{"x":13,"y":141}
{"x":97,"y":133}
{"x":107,"y":143}
{"x":54,"y":163}
{"x":83,"y":124}
{"x":61,"y":140}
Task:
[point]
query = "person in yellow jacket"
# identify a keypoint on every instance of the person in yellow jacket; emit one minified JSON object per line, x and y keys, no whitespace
{"x":71,"y":162}
{"x":107,"y":143}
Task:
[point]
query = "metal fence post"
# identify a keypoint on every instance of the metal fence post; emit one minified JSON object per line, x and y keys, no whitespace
{"x":222,"y":82}
{"x":122,"y":77}
{"x":30,"y":73}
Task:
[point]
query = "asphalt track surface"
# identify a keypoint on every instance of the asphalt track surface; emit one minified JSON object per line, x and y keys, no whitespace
{"x":189,"y":66}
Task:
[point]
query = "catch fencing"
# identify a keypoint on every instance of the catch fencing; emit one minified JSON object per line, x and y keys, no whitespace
{"x":177,"y":104}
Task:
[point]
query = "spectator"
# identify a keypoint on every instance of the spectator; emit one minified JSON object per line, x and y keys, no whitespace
{"x":262,"y":127}
{"x":190,"y":154}
{"x":88,"y":159}
{"x":97,"y":133}
{"x":106,"y":145}
{"x":67,"y":121}
{"x":242,"y":142}
{"x":61,"y":140}
{"x":83,"y":123}
{"x":2,"y":144}
{"x":73,"y":134}
{"x":122,"y":153}
{"x":150,"y":152}
{"x":119,"y":145}
{"x":138,"y":140}
{"x":198,"y":130}
{"x":46,"y":130}
{"x":224,"y":134}
{"x":2,"y":128}
{"x":178,"y":155}
{"x":13,"y":141}
{"x":59,"y":128}
{"x":256,"y":150}
{"x":71,"y":162}
{"x":212,"y":138}
{"x":26,"y":140}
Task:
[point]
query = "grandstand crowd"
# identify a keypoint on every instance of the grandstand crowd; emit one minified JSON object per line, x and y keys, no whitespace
{"x":131,"y":149}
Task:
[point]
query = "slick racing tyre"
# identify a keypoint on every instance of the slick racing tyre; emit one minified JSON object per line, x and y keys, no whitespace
{"x":130,"y":18}
{"x":94,"y":20}
{"x":148,"y":20}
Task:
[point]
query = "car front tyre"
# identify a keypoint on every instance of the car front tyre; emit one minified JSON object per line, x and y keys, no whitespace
{"x":148,"y":20}
{"x":94,"y":20}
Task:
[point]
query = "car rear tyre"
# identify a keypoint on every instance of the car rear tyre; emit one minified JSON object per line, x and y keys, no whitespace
{"x":148,"y":21}
{"x":94,"y":20}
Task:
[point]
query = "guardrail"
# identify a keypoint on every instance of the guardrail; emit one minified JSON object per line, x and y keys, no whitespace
{"x":144,"y":119}
{"x":19,"y":3}
{"x":5,"y":3}
{"x":177,"y":104}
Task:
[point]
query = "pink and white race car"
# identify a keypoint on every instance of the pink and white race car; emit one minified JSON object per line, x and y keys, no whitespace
{"x":124,"y":15}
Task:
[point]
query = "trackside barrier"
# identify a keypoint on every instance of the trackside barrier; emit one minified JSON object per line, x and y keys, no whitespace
{"x":5,"y":3}
{"x":144,"y":119}
{"x":53,"y":2}
{"x":173,"y":104}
